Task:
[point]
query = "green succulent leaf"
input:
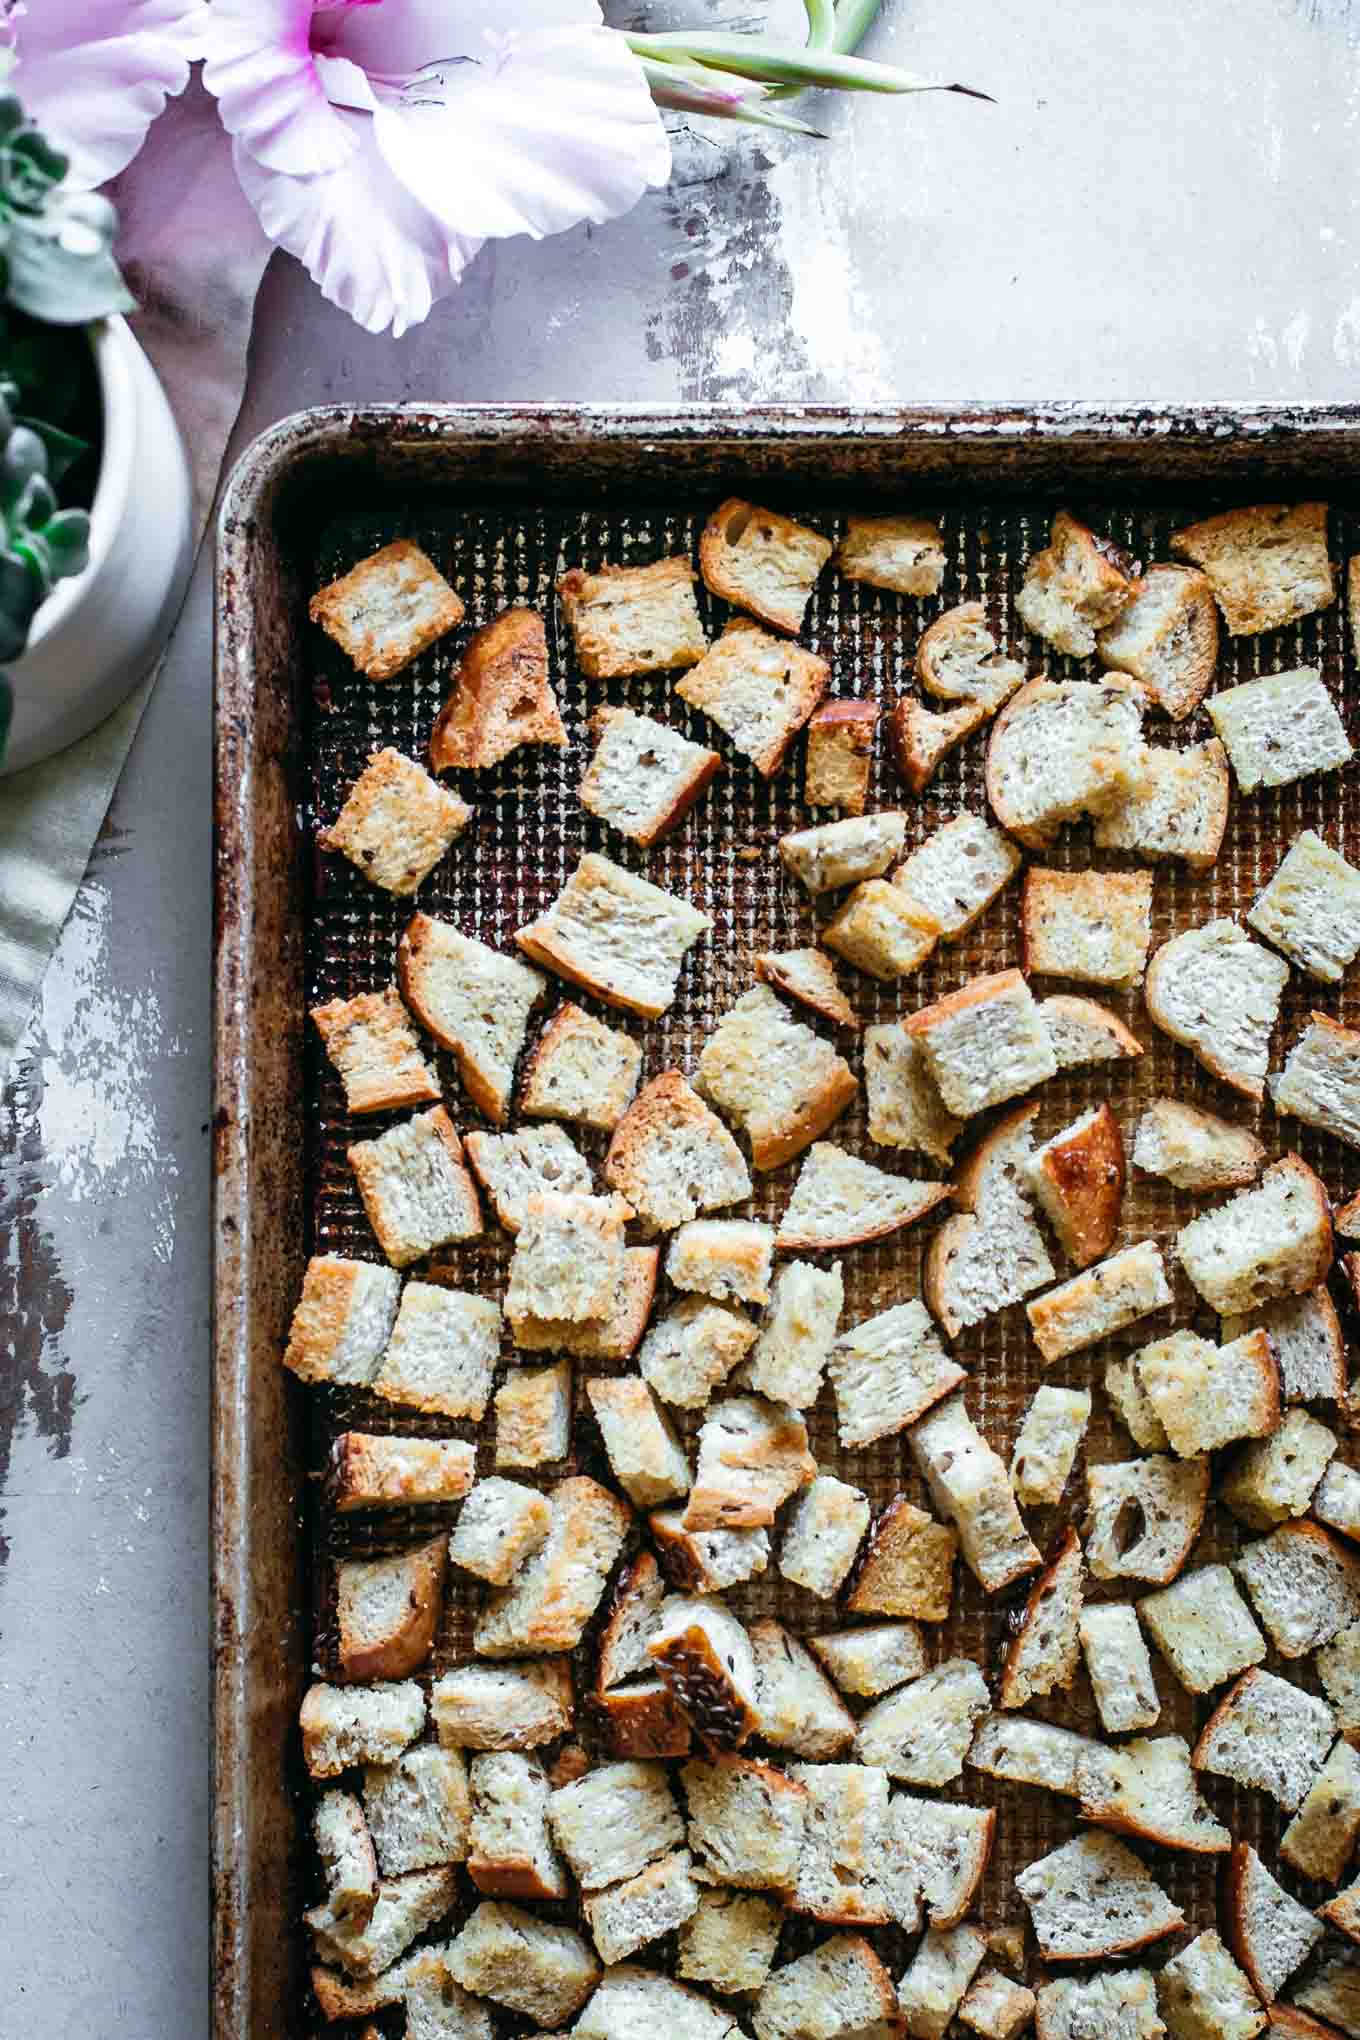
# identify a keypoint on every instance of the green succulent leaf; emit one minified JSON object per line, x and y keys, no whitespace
{"x":63,"y":449}
{"x":61,"y":266}
{"x":68,"y":543}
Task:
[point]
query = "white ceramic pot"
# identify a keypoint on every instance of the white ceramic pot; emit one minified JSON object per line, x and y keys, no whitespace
{"x":97,"y":634}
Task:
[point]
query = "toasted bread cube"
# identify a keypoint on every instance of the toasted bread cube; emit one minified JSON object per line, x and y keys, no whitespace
{"x":841,"y":1989}
{"x":1046,"y":1449}
{"x":532,"y":1966}
{"x":644,"y":777}
{"x":1078,"y":1179}
{"x":511,"y":1853}
{"x":920,"y":739}
{"x":418,"y":1809}
{"x":996,"y":2007}
{"x":984,"y":1043}
{"x":387,"y":1610}
{"x":1181,"y":809}
{"x":438,"y":2006}
{"x":1320,"y":1082}
{"x":1144,"y":1516}
{"x":758,"y":689}
{"x":1027,"y":1751}
{"x":376,"y":1051}
{"x":969,"y":1485}
{"x":1320,"y":1840}
{"x":345,"y":1849}
{"x":1194,"y":1149}
{"x":874,"y":1659}
{"x":1280,"y":728}
{"x":1062,"y":749}
{"x":416,"y":1187}
{"x":752,"y":1456}
{"x":647,"y":1459}
{"x":1167,"y":637}
{"x":840,"y":746}
{"x":692,"y":1349}
{"x":728,"y":1259}
{"x":775,"y":1077}
{"x":633,"y":1611}
{"x":641,"y":1718}
{"x":655,"y":1902}
{"x":921,"y":1733}
{"x":958,"y":659}
{"x":569,"y":1256}
{"x":707,"y":1561}
{"x":503,"y":1707}
{"x":377,"y":1473}
{"x":936,"y":1980}
{"x":1206,"y":1396}
{"x":1082,"y":1031}
{"x":616,"y":1334}
{"x":823,"y":1534}
{"x":501,"y":1524}
{"x":991,"y":1252}
{"x":342,"y":1319}
{"x":907,"y":1567}
{"x":512,"y":1167}
{"x":405,"y":1907}
{"x":1099,"y":1302}
{"x":1268,"y":1734}
{"x":627,"y":620}
{"x":905,"y":554}
{"x":1218,"y":993}
{"x":1121,"y":2002}
{"x":1203,"y":1628}
{"x":1275,"y":1240}
{"x":346,"y":1725}
{"x":1336,"y":1501}
{"x":851,"y":1872}
{"x":1147,"y":1788}
{"x":533,"y":1416}
{"x":617,"y":935}
{"x":581,"y":1071}
{"x":501,"y":697}
{"x":840,"y":1201}
{"x":1076,"y":586}
{"x":904,"y":1105}
{"x":474,"y":1001}
{"x":808,"y":976}
{"x":1129,"y":1400}
{"x":554,"y":1594}
{"x":746,"y":1823}
{"x":614,"y":1821}
{"x":728,"y":1941}
{"x":1344,"y":1910}
{"x":1332,"y":1992}
{"x":672,"y":1157}
{"x":800,"y":1709}
{"x":396,"y":823}
{"x":1044,"y":1650}
{"x":1267,"y":565}
{"x":702,"y":1652}
{"x":946,"y":1849}
{"x":632,"y":2001}
{"x":387,"y":610}
{"x":1274,"y":1479}
{"x":958,"y":871}
{"x":1205,"y":1996}
{"x":1119,"y":1667}
{"x":881,"y":931}
{"x":1095,"y":926}
{"x":761,"y":561}
{"x":1094,"y":1898}
{"x":1304,"y":1585}
{"x":836,"y":854}
{"x":887,"y":1372}
{"x":1311,"y":909}
{"x":442,"y":1353}
{"x":797,"y":1333}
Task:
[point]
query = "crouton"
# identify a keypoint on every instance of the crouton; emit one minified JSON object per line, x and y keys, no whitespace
{"x":841,"y":1201}
{"x":1119,"y":1667}
{"x":905,"y":554}
{"x":1078,"y":1179}
{"x":937,"y":1978}
{"x":958,"y":871}
{"x":1311,"y":909}
{"x":1320,"y":1840}
{"x":1195,"y":1149}
{"x":996,"y":2007}
{"x":569,"y":1256}
{"x":614,"y":1336}
{"x":503,"y":1707}
{"x":632,"y":2002}
{"x":1044,"y":1650}
{"x":991,"y":1253}
{"x":946,"y":1849}
{"x":728,"y":1259}
{"x":1304,"y":1585}
{"x":536,"y":1967}
{"x":617,"y":935}
{"x":1205,"y":1396}
{"x":800,"y":1709}
{"x":581,"y":1071}
{"x":1181,"y":809}
{"x":640,"y":1719}
{"x":474,"y":1001}
{"x":345,"y":1725}
{"x":501,"y":697}
{"x":958,"y":659}
{"x":836,"y":854}
{"x":704,"y":1655}
{"x":1320,"y":1082}
{"x":823,"y":1534}
{"x":1080,"y":1031}
{"x":345,"y":1848}
{"x":874,"y":1659}
{"x":387,"y":610}
{"x":904,"y":1108}
{"x":881,"y":931}
{"x":1121,"y":2003}
{"x":672,"y":1157}
{"x":396,"y":823}
{"x":1063,"y":749}
{"x":418,"y":1809}
{"x":1280,"y":728}
{"x":646,"y":1458}
{"x":1203,"y":1628}
{"x":761,"y":561}
{"x":692,"y":1349}
{"x":644,"y":777}
{"x":378,"y":1473}
{"x":511,"y":1853}
{"x":1144,"y":1516}
{"x":501,"y":1524}
{"x":849,"y":1872}
{"x":1267,"y":565}
{"x":437,"y":2008}
{"x":753,"y":1455}
{"x":796,"y":1333}
{"x":1092,"y":1899}
{"x":512,"y":1167}
{"x":921,"y":1733}
{"x":386,"y":1611}
{"x":553,"y":1596}
{"x":630,"y":1915}
{"x":442,"y":1353}
{"x":1095,"y":926}
{"x":342,"y":1320}
{"x":1130,"y":1402}
{"x":1271,"y":1481}
{"x":1336,"y":1501}
{"x":969,"y":1485}
{"x":984,"y":1043}
{"x":1268,"y":1734}
{"x":840,"y":1990}
{"x":746,"y":1823}
{"x":376,"y":1051}
{"x":1076,"y":586}
{"x":533,"y":1415}
{"x":887,"y":1372}
{"x":707,"y":1561}
{"x":1275,"y":1240}
{"x":919,"y":738}
{"x":808,"y":976}
{"x":405,"y":1907}
{"x":907,"y":1567}
{"x":1218,"y":993}
{"x":614,"y":1821}
{"x":627,"y":620}
{"x":1333,"y":1992}
{"x":840,"y":748}
{"x":758,"y":689}
{"x":1166,"y":637}
{"x":1205,"y":1996}
{"x":1100,"y":1301}
{"x":1026,"y":1751}
{"x":416,"y":1188}
{"x":774,"y":1077}
{"x":1046,"y":1449}
{"x":1147,"y":1788}
{"x":729,"y":1941}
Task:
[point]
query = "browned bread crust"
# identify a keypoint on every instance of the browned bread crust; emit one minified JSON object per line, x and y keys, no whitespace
{"x":501,"y":697}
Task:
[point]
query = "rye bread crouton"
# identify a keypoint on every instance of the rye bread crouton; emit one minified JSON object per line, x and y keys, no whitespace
{"x":1332,"y":1991}
{"x":500,"y":1525}
{"x":1119,"y":1668}
{"x":1320,"y":1840}
{"x":1218,"y":993}
{"x":636,"y":1603}
{"x":569,"y":1256}
{"x":887,"y":1372}
{"x":1078,"y":1180}
{"x":729,"y":1941}
{"x":387,"y":1610}
{"x":808,"y":976}
{"x":1181,"y":809}
{"x":906,"y":1568}
{"x":672,"y":1157}
{"x":346,"y":1725}
{"x":836,"y":854}
{"x":872,"y":1660}
{"x":920,"y":739}
{"x":510,"y":1852}
{"x":533,"y":1415}
{"x":645,"y":776}
{"x":1129,"y":1401}
{"x":1205,"y":1996}
{"x":546,"y":1606}
{"x":342,"y":1320}
{"x":746,"y":1823}
{"x":729,"y":1259}
{"x":1268,"y":1734}
{"x":753,"y":1455}
{"x":996,"y":2007}
{"x":645,"y":1456}
{"x":1026,"y":1751}
{"x":1081,"y":1031}
{"x":761,"y":561}
{"x":1078,"y":584}
{"x":1206,"y":1396}
{"x":1167,"y":637}
{"x":1311,"y":909}
{"x":1148,"y":1789}
{"x":376,"y":1052}
{"x":759,"y":689}
{"x":840,"y":755}
{"x":921,"y":1733}
{"x":1271,"y":1481}
{"x":503,"y":1707}
{"x":640,"y":1910}
{"x":1045,"y":1648}
{"x":501,"y":697}
{"x":800,"y":1710}
{"x":345,"y":1849}
{"x":1094,"y":926}
{"x":418,"y":1810}
{"x":1320,"y":1082}
{"x":1274,"y":1240}
{"x":442,"y":1354}
{"x":474,"y":1001}
{"x":1063,"y":749}
{"x":1336,"y":1500}
{"x":396,"y":823}
{"x":1143,"y":1516}
{"x":615,"y":1335}
{"x":1267,"y":564}
{"x":617,"y":935}
{"x":536,"y":1967}
{"x":956,"y":873}
{"x":849,"y":1873}
{"x":581,"y":1071}
{"x":1093,"y":1899}
{"x":1304,"y":1585}
{"x":1046,"y":1449}
{"x":627,"y":620}
{"x":823,"y":1534}
{"x":1119,"y":2003}
{"x":905,"y":554}
{"x":405,"y":1907}
{"x":904,"y":1107}
{"x":416,"y":1187}
{"x":512,"y":1167}
{"x":797,"y":1332}
{"x":775,"y":1077}
{"x":991,"y":1253}
{"x":970,"y":1487}
{"x":840,"y":1201}
{"x":641,"y":1719}
{"x":387,"y":610}
{"x":703,"y":1653}
{"x":1195,"y":1149}
{"x":1203,"y":1628}
{"x":947,"y":1849}
{"x":633,"y":2002}
{"x":958,"y":659}
{"x":692,"y":1349}
{"x":839,"y":1990}
{"x":881,"y":931}
{"x":614,"y":1821}
{"x":984,"y":1043}
{"x":1100,"y":1301}
{"x":1282,"y":727}
{"x":368,"y":1472}
{"x":934,"y":1984}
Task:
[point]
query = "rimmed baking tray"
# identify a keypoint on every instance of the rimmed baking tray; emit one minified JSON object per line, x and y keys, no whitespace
{"x":505,"y":497}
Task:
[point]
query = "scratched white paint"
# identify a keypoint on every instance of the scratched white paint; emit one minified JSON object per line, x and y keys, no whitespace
{"x":830,"y":312}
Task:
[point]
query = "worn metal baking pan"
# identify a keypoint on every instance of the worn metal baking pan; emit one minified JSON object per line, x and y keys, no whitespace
{"x":505,"y":497}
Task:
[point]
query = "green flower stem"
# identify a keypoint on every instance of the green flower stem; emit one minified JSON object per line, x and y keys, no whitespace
{"x":689,"y":88}
{"x":821,"y":16}
{"x":770,"y":62}
{"x":854,"y":19}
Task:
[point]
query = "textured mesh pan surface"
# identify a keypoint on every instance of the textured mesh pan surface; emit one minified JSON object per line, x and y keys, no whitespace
{"x":528,"y":832}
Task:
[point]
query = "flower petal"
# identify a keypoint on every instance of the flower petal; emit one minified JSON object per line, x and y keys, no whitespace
{"x":561,"y":129}
{"x":262,"y":73}
{"x":400,"y":37}
{"x":94,"y":74}
{"x":369,"y":246}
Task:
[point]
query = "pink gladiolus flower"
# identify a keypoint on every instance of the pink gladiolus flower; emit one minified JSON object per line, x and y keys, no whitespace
{"x":382,"y":141}
{"x":94,"y":74}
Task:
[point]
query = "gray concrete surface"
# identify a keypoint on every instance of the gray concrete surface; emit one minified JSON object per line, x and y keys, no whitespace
{"x":1162,"y":205}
